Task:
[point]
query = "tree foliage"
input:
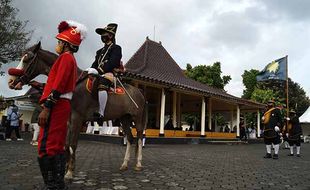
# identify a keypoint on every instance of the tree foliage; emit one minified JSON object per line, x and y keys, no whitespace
{"x":297,"y":97}
{"x":262,"y":96}
{"x":249,"y":81}
{"x":13,"y":34}
{"x":275,"y":89}
{"x":210,"y":75}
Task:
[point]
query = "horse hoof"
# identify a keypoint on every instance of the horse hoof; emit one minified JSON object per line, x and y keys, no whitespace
{"x":69,"y":176}
{"x":138,"y":168}
{"x":123,"y":168}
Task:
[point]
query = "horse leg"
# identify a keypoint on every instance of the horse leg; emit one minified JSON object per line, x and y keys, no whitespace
{"x":70,"y":162}
{"x":140,"y":126}
{"x":127,"y":131}
{"x":73,"y":134}
{"x":139,"y":151}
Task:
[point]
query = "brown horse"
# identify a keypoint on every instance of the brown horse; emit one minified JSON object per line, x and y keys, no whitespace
{"x":36,"y":61}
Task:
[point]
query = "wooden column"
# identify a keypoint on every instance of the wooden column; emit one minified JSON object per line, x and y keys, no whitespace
{"x":238,"y":121}
{"x":258,"y":124}
{"x":179,"y":124}
{"x":174,"y":109}
{"x":232,"y":121}
{"x":210,"y":114}
{"x":203,"y":117}
{"x":162,"y":113}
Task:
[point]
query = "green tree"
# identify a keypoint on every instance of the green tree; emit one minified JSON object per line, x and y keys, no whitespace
{"x":191,"y":119}
{"x":274,"y":89}
{"x":13,"y":34}
{"x":262,"y":96}
{"x":249,"y":81}
{"x":297,"y":97}
{"x":210,"y":75}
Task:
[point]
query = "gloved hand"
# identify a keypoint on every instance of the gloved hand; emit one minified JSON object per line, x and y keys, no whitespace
{"x":276,"y":128}
{"x":287,"y":118}
{"x":91,"y":71}
{"x":286,"y":134}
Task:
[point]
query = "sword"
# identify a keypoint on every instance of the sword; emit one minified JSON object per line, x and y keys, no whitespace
{"x":127,"y":92}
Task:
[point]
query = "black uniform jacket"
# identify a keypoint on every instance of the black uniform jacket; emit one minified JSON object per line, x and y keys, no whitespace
{"x":294,"y":129}
{"x":107,"y":58}
{"x":272,"y":118}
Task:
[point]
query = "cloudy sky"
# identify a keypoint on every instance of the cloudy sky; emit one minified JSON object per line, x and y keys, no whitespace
{"x":241,"y":34}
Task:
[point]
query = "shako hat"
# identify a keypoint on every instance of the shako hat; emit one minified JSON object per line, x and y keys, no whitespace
{"x":71,"y":32}
{"x":110,"y":28}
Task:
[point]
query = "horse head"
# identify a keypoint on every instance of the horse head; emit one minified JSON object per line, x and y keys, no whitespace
{"x":35,"y":61}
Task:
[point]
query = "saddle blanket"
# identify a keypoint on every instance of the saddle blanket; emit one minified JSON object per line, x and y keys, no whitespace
{"x":118,"y":90}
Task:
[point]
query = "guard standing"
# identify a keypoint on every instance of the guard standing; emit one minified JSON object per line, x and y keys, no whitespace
{"x":273,"y":122}
{"x":55,"y":101}
{"x":293,"y":133}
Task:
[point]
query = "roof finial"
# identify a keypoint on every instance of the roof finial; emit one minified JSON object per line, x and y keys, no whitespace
{"x":147,"y":38}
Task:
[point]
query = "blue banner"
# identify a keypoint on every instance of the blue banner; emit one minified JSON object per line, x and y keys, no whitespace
{"x":276,"y":70}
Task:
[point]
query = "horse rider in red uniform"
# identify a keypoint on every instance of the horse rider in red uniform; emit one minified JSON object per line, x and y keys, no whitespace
{"x":107,"y":59}
{"x":55,"y":101}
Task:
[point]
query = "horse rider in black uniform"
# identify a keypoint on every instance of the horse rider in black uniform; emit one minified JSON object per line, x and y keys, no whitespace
{"x":107,"y":59}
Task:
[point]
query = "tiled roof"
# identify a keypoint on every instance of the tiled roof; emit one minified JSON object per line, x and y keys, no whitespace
{"x":153,"y":63}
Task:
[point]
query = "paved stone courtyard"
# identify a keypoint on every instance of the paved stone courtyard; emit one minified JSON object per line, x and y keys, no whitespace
{"x":200,"y":166}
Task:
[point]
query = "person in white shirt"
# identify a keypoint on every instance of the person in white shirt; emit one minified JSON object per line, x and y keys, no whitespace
{"x":14,"y":124}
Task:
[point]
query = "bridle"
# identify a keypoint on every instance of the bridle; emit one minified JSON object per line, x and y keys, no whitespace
{"x":25,"y":78}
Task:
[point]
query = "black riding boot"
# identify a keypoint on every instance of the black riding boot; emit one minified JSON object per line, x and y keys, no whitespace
{"x":60,"y":167}
{"x":47,"y":170}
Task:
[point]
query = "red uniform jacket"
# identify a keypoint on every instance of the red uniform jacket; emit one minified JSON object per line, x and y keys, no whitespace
{"x":62,"y":76}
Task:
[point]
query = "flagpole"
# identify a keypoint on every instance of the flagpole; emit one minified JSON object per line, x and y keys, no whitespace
{"x":287,"y":106}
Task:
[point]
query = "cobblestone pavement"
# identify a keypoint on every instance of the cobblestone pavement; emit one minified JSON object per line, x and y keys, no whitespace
{"x":165,"y":167}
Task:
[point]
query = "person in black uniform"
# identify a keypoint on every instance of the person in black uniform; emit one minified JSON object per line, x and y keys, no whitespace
{"x":293,"y":132}
{"x":107,"y":59}
{"x":273,"y":123}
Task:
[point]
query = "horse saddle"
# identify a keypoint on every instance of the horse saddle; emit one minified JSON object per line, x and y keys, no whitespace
{"x":92,"y":87}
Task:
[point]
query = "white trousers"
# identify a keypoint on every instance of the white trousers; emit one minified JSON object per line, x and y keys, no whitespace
{"x":103,"y":97}
{"x":36,"y":131}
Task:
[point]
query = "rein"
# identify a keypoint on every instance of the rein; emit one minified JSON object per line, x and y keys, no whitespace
{"x":81,"y":77}
{"x":25,"y":77}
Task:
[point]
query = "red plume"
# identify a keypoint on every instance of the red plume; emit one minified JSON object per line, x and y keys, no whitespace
{"x":62,"y":26}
